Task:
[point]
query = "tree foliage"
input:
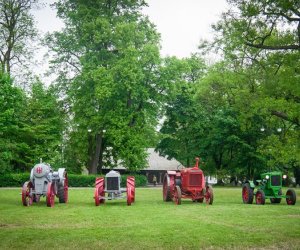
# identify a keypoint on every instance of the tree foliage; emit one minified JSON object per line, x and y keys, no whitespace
{"x":17,"y":31}
{"x":114,"y":92}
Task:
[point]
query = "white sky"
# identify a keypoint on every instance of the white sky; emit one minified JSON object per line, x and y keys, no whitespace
{"x":181,"y":23}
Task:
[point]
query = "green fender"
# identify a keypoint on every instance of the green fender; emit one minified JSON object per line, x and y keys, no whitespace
{"x":251,"y":183}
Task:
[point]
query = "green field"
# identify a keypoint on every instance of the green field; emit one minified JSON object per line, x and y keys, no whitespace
{"x":148,"y":224}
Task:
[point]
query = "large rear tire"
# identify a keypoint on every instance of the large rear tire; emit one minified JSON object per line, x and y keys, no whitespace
{"x":291,"y":199}
{"x":166,"y":188}
{"x":247,"y":194}
{"x":62,"y":192}
{"x":27,"y":197}
{"x":260,"y":197}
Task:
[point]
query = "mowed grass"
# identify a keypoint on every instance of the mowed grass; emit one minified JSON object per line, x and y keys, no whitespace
{"x":149,"y":223}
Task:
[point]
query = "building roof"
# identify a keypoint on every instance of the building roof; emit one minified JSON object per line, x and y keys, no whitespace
{"x":157,"y":162}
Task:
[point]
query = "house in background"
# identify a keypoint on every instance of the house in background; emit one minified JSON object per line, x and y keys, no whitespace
{"x":157,"y":166}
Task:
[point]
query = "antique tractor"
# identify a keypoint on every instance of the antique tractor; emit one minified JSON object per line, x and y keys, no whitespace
{"x":45,"y":182}
{"x":112,"y":186}
{"x":269,"y":187}
{"x":187,"y":183}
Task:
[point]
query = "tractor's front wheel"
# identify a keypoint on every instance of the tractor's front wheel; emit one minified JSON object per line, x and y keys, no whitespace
{"x":50,"y":194}
{"x":277,"y":200}
{"x":130,"y":185}
{"x":27,"y":197}
{"x":166,"y":188}
{"x":260,"y":197}
{"x":247,"y":194}
{"x":291,"y":199}
{"x":209,"y":195}
{"x":99,"y":191}
{"x":177,"y":195}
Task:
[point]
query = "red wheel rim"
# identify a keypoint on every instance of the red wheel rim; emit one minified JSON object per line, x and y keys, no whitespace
{"x":245,"y":194}
{"x":99,"y":191}
{"x":96,"y":196}
{"x":27,"y":197}
{"x":258,"y":198}
{"x":289,"y":200}
{"x":50,"y":195}
{"x":130,"y":189}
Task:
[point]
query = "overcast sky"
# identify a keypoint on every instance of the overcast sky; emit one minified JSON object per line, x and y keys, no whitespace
{"x":181,"y":23}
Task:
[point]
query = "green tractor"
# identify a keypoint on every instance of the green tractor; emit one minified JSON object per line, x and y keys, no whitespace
{"x":269,"y":187}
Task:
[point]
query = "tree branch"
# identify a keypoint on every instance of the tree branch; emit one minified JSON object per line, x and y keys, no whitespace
{"x":273,"y":47}
{"x":285,"y":117}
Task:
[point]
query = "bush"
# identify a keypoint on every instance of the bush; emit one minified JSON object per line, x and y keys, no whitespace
{"x":75,"y":180}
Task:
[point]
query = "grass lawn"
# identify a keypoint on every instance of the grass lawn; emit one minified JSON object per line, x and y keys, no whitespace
{"x":149,"y":223}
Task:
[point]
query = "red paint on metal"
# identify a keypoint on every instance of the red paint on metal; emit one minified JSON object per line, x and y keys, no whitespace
{"x":39,"y":170}
{"x":50,"y":195}
{"x":191,"y":182}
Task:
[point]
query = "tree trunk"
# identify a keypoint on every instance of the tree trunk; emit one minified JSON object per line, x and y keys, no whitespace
{"x":94,"y":153}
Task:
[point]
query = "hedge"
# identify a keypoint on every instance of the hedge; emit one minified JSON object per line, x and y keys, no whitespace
{"x":75,"y":180}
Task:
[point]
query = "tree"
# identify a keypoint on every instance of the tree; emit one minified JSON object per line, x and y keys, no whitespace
{"x":181,"y":130}
{"x":260,"y":41}
{"x":43,"y":126}
{"x":12,"y":102}
{"x":17,"y":31}
{"x":113,"y":91}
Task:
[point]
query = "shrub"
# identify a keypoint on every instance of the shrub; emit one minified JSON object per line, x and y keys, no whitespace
{"x":75,"y":180}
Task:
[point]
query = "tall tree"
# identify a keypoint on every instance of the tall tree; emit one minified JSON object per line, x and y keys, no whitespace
{"x":16,"y":32}
{"x":260,"y":41}
{"x":113,"y":94}
{"x":43,"y":125}
{"x":12,"y":102}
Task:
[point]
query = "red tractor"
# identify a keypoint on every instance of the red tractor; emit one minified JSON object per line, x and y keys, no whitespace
{"x":187,"y":183}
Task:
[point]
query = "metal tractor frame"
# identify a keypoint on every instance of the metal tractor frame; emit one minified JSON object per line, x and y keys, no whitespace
{"x":110,"y":185}
{"x":45,"y":182}
{"x":187,"y":183}
{"x":268,"y":187}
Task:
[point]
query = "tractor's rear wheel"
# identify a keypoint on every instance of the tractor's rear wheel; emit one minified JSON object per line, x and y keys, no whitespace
{"x":99,"y":191}
{"x":177,"y":195}
{"x":130,"y":184}
{"x":27,"y":197}
{"x":291,"y":199}
{"x":166,"y":188}
{"x":247,"y":194}
{"x":62,"y":192}
{"x":260,"y":197}
{"x":209,"y":195}
{"x":277,"y":200}
{"x":50,"y":194}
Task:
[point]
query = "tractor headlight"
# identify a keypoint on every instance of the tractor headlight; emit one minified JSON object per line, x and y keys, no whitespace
{"x":284,"y":176}
{"x":267,"y":177}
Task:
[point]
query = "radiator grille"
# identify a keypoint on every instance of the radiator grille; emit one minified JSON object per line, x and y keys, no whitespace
{"x":112,"y":183}
{"x":275,"y":180}
{"x":195,"y":180}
